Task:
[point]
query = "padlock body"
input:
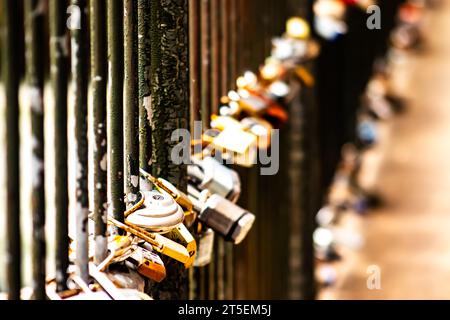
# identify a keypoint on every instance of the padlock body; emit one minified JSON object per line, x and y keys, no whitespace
{"x":226,"y":218}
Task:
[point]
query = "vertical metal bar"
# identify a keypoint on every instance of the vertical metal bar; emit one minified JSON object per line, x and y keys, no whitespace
{"x":194,"y":60}
{"x":59,"y":54}
{"x":35,"y":71}
{"x":205,"y":26}
{"x":131,"y":109}
{"x":80,"y":63}
{"x":115,"y":109}
{"x":215,"y":43}
{"x":225,"y":51}
{"x":98,"y":82}
{"x":224,"y":87}
{"x":194,"y":109}
{"x":170,"y":107}
{"x":144,"y":62}
{"x":10,"y":77}
{"x":233,"y":38}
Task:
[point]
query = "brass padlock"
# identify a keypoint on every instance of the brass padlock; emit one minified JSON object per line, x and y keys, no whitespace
{"x":182,"y":235}
{"x":159,"y":243}
{"x":298,"y":28}
{"x":261,"y":128}
{"x":242,"y":146}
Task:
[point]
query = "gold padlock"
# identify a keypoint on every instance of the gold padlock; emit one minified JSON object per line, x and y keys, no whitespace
{"x":298,"y":28}
{"x":241,"y":144}
{"x":261,"y":128}
{"x":159,"y":243}
{"x":182,"y":235}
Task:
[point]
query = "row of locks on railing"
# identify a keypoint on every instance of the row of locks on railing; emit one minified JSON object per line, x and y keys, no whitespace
{"x":182,"y":226}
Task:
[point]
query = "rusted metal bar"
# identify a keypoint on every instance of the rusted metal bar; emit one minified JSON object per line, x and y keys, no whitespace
{"x":216,"y":79}
{"x":10,"y":79}
{"x":144,"y":62}
{"x":99,"y":76}
{"x":170,"y":107}
{"x":194,"y":109}
{"x":225,"y":70}
{"x":59,"y":58}
{"x":35,"y":74}
{"x":205,"y":27}
{"x":194,"y":60}
{"x":131,"y":108}
{"x":115,"y":109}
{"x":79,"y":96}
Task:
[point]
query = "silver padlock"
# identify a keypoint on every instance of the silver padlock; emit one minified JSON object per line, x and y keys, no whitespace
{"x":160,"y":213}
{"x":210,"y":174}
{"x":205,"y":248}
{"x":223,"y":216}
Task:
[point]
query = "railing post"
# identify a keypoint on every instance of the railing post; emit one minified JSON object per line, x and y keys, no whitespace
{"x":170,"y":106}
{"x":10,"y":77}
{"x":80,"y":65}
{"x":99,"y":76}
{"x":144,"y":62}
{"x":131,"y":109}
{"x":59,"y":54}
{"x":35,"y":70}
{"x":115,"y":109}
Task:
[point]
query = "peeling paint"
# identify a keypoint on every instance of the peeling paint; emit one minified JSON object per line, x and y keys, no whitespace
{"x":36,"y":103}
{"x":134,"y":181}
{"x":37,"y":165}
{"x":131,"y":197}
{"x":104,"y":162}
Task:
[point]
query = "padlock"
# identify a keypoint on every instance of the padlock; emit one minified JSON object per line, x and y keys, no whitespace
{"x":324,"y":246}
{"x":289,"y":49}
{"x":205,"y":248}
{"x":247,"y":81}
{"x":252,"y":103}
{"x":223,"y":216}
{"x":181,"y":235}
{"x":148,"y":264}
{"x":210,"y":174}
{"x":367,"y":133}
{"x":330,"y":8}
{"x":241,"y":144}
{"x":158,"y":242}
{"x":160,"y":213}
{"x":261,"y":128}
{"x":180,"y":197}
{"x":120,"y":248}
{"x":110,"y":288}
{"x":330,"y":28}
{"x":125,"y":277}
{"x":297,"y":28}
{"x":326,"y":216}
